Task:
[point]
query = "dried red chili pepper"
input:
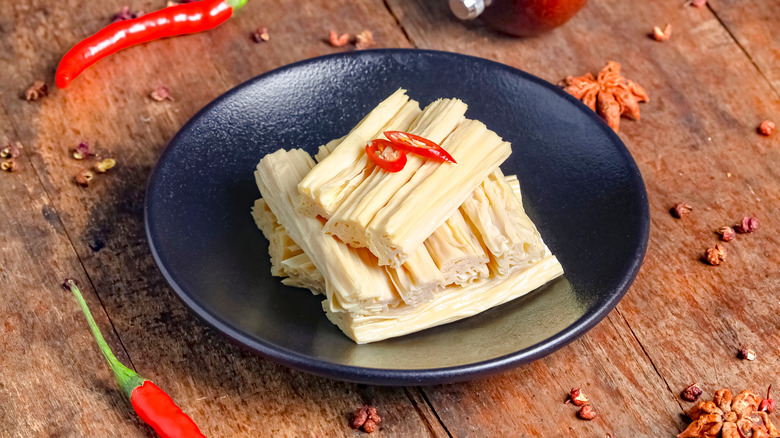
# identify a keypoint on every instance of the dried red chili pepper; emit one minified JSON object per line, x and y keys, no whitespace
{"x":171,"y":21}
{"x":151,"y":403}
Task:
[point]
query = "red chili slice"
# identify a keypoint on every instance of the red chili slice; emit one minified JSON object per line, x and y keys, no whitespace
{"x":386,"y":155}
{"x":418,"y":145}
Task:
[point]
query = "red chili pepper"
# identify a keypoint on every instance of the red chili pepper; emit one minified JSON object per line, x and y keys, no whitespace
{"x":171,"y":21}
{"x":418,"y":145}
{"x":151,"y":403}
{"x":386,"y":155}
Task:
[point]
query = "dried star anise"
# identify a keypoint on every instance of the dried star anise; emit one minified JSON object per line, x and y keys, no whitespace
{"x":364,"y":40}
{"x":715,"y":255}
{"x":609,"y":93}
{"x":747,"y":225}
{"x":727,"y":234}
{"x":681,"y":209}
{"x":37,"y":90}
{"x":365,"y":418}
{"x":728,"y":417}
{"x":260,"y":35}
{"x":336,"y":40}
{"x":767,"y":127}
{"x":691,"y":393}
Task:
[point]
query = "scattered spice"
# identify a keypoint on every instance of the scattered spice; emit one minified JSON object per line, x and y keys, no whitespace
{"x":8,"y":165}
{"x":691,"y":393}
{"x":160,"y":93}
{"x":746,"y":353}
{"x":364,"y":40}
{"x":747,"y":225}
{"x":767,"y":405}
{"x":36,"y":91}
{"x":10,"y":151}
{"x":365,"y":418}
{"x":336,"y":40}
{"x":727,"y":234}
{"x":125,"y":14}
{"x":767,"y":127}
{"x":715,"y":255}
{"x":260,"y":35}
{"x":587,"y":412}
{"x":82,"y":151}
{"x":609,"y":93}
{"x":662,"y":35}
{"x":681,"y":209}
{"x":735,"y":417}
{"x":84,"y":177}
{"x":577,"y":397}
{"x":104,"y":165}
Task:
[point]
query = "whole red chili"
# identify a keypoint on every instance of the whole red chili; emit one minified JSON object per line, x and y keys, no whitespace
{"x":174,"y":20}
{"x":151,"y":403}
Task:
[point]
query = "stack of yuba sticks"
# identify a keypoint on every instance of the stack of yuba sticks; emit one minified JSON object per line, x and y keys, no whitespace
{"x":396,"y":253}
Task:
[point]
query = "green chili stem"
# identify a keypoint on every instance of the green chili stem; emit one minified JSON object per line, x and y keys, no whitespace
{"x":127,"y":378}
{"x":235,"y":4}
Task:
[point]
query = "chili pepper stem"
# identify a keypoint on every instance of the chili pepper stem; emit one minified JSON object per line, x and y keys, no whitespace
{"x":127,"y":378}
{"x":235,"y":4}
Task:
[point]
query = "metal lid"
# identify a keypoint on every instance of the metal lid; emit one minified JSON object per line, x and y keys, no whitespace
{"x":468,"y":9}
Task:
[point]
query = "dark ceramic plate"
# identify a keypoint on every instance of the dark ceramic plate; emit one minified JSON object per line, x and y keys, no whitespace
{"x":580,"y":186}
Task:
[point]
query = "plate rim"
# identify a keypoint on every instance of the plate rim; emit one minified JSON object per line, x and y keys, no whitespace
{"x":410,"y":376}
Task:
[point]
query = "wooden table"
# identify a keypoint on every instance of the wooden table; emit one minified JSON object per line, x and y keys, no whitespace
{"x":682,"y":321}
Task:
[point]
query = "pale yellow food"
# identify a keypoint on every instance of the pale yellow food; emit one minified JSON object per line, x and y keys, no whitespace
{"x":435,"y":191}
{"x":450,"y":305}
{"x":351,"y":220}
{"x":333,"y":179}
{"x":497,"y":216}
{"x":352,"y":281}
{"x":404,"y":251}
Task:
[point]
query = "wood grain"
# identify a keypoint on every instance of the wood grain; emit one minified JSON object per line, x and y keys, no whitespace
{"x":226,"y":391}
{"x":696,"y":142}
{"x":754,"y":25}
{"x":52,"y":376}
{"x":682,"y":321}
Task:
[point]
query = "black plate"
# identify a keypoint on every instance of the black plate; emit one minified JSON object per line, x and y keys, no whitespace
{"x":580,"y":186}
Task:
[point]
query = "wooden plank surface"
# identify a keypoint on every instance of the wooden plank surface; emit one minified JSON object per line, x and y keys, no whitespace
{"x":227,"y":392}
{"x":696,"y":142}
{"x":710,"y":86}
{"x":755,"y":26}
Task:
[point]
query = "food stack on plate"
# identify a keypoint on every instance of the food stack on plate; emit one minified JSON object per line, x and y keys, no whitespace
{"x":405,"y":223}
